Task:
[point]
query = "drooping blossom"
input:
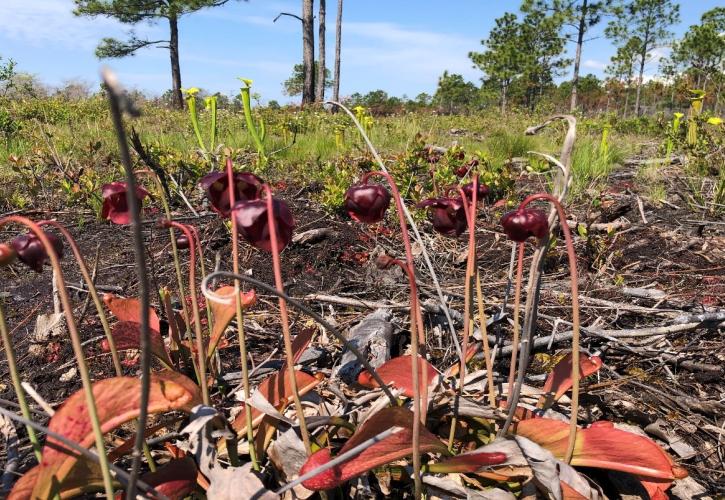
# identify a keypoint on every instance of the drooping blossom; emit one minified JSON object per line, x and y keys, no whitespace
{"x":367,"y":202}
{"x":253,"y":222}
{"x":247,"y":186}
{"x":115,"y":203}
{"x":522,"y":223}
{"x":448,"y":215}
{"x":31,"y":252}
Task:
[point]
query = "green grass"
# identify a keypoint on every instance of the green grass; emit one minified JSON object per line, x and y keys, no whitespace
{"x":78,"y":136}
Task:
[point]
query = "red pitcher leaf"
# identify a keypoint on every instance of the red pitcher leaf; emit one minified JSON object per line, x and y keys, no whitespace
{"x":559,"y":380}
{"x":117,"y":402}
{"x":176,"y":479}
{"x":500,"y":452}
{"x":277,"y":389}
{"x":130,"y":310}
{"x":393,"y":447}
{"x":399,"y":372}
{"x":127,"y":335}
{"x":225,"y":313}
{"x":603,"y":446}
{"x":86,"y":478}
{"x":456,"y":367}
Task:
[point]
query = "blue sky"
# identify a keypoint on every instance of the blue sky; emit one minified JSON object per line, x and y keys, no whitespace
{"x":400,"y":46}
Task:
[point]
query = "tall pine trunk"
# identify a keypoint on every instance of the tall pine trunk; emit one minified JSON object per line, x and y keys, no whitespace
{"x":640,"y":81}
{"x":578,"y":56}
{"x":308,"y":52}
{"x":320,"y":84}
{"x":177,"y":100}
{"x":338,"y":47}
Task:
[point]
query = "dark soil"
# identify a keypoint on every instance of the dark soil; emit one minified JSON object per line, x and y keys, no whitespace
{"x":679,"y":252}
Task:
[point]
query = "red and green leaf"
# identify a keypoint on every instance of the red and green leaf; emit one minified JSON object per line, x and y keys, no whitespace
{"x":127,"y":332}
{"x":399,"y":372}
{"x":602,"y":446}
{"x":559,"y":380}
{"x":225,"y":313}
{"x":117,"y":402}
{"x":393,"y":447}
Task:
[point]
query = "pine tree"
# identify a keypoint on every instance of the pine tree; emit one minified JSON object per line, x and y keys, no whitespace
{"x":137,"y":11}
{"x":649,"y":21}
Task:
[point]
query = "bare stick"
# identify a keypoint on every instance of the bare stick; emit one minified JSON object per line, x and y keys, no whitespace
{"x":114,"y":98}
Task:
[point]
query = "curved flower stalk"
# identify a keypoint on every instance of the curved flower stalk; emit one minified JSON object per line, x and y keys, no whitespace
{"x":272,"y":235}
{"x":232,"y":196}
{"x":439,"y":291}
{"x":519,"y":225}
{"x":573,"y":275}
{"x":200,"y":348}
{"x":257,"y":136}
{"x":75,"y":341}
{"x":385,"y":262}
{"x":368,"y":203}
{"x":83,"y":267}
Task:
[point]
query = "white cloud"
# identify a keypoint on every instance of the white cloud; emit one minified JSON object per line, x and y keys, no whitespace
{"x":51,"y":22}
{"x":414,"y":58}
{"x":594,"y":64}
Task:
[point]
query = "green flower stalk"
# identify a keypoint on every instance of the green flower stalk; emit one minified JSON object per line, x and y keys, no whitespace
{"x":240,"y":321}
{"x":17,"y":385}
{"x":257,"y":137}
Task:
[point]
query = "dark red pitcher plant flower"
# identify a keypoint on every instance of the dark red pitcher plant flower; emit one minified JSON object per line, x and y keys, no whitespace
{"x":522,"y":223}
{"x":448,"y":215}
{"x":253,"y":224}
{"x":246,"y":186}
{"x":115,"y":204}
{"x":30,"y":250}
{"x":367,"y":202}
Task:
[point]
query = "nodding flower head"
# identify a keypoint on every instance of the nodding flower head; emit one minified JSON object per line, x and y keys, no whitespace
{"x":483,"y":191}
{"x":247,"y":186}
{"x":522,"y":223}
{"x":253,"y":222}
{"x":367,"y":202}
{"x":31,"y":252}
{"x":447,"y":215}
{"x":7,"y":254}
{"x":115,"y":205}
{"x":466,"y":167}
{"x":182,"y":242}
